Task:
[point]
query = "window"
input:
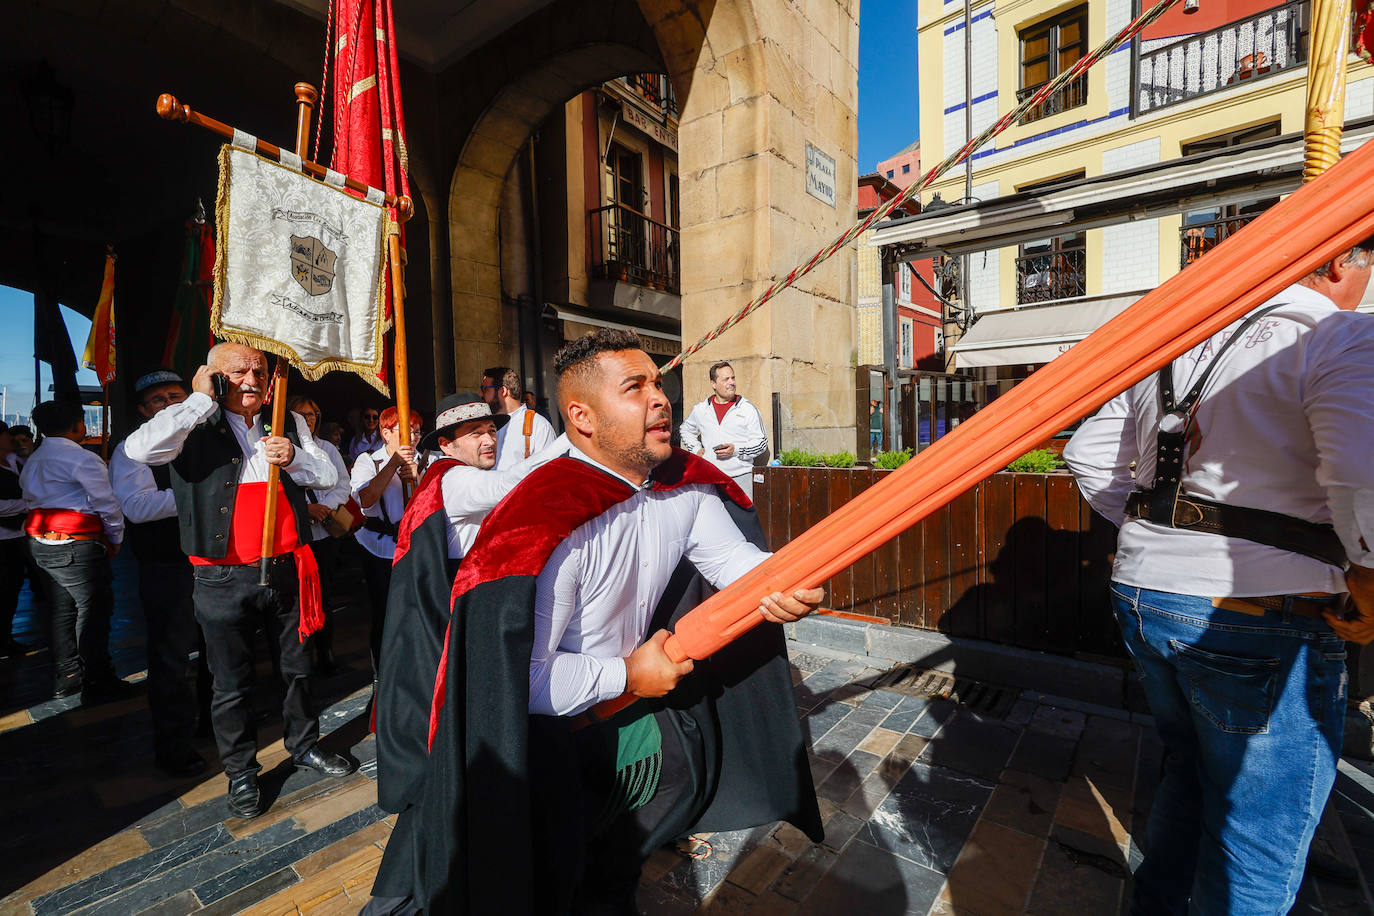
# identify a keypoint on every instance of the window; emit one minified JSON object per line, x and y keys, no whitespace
{"x":1048,"y":49}
{"x":904,"y":281}
{"x":623,"y":185}
{"x":1203,"y":230}
{"x":906,"y":168}
{"x":906,"y":360}
{"x":890,"y":173}
{"x":674,"y":211}
{"x":1053,"y":268}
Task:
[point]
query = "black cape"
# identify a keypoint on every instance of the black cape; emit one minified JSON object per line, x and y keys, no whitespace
{"x":490,"y":810}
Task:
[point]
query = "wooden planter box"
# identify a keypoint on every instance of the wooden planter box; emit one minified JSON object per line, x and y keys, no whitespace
{"x":1021,"y":559}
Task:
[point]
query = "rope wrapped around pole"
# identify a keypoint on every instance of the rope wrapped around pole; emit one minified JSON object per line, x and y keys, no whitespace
{"x":1325,"y":86}
{"x":1044,"y":92}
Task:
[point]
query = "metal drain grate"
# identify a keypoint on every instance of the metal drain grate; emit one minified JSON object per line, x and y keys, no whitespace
{"x":984,"y":699}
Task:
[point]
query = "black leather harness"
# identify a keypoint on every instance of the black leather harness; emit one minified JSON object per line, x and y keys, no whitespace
{"x":1164,"y":504}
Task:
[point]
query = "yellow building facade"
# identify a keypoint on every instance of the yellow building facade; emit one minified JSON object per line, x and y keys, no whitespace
{"x":1239,"y":77}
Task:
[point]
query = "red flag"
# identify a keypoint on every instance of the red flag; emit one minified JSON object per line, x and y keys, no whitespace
{"x":369,"y":125}
{"x":1364,"y":30}
{"x":100,"y":346}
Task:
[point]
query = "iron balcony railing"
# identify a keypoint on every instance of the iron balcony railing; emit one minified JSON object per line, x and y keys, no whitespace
{"x":656,"y":89}
{"x":630,"y":246}
{"x":1071,"y":96}
{"x":1198,"y":238}
{"x":1259,"y":46}
{"x":1048,"y":274}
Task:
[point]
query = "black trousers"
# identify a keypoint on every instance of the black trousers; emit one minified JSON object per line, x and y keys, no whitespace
{"x":77,"y":580}
{"x":165,"y":589}
{"x":377,"y":570}
{"x":326,"y":551}
{"x":14,"y":562}
{"x":230,"y":605}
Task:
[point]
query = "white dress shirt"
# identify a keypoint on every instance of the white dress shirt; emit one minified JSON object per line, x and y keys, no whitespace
{"x":1287,"y":425}
{"x":599,"y":589}
{"x":60,"y":474}
{"x":742,"y":428}
{"x":160,"y":440}
{"x":137,"y":491}
{"x":335,"y":496}
{"x":510,"y":439}
{"x":12,"y":506}
{"x":470,"y":493}
{"x":365,"y":468}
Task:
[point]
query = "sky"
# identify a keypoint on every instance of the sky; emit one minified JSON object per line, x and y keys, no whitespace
{"x":16,"y":348}
{"x":888,"y":112}
{"x":888,"y":102}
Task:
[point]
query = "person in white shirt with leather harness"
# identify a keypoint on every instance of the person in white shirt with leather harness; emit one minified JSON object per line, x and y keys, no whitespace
{"x":1246,"y":524}
{"x":75,"y":526}
{"x":726,"y":429}
{"x":14,"y":548}
{"x":527,"y":432}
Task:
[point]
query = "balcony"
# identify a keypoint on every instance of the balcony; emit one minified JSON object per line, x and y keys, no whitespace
{"x":634,"y":248}
{"x":1051,"y":274}
{"x":1255,"y":48}
{"x":1196,"y":238}
{"x":1071,"y":96}
{"x":656,"y":89}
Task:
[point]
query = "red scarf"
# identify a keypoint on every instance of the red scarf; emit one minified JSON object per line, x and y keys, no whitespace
{"x":245,"y":548}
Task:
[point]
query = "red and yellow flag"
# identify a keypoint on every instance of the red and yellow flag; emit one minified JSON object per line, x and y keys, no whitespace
{"x":100,"y":346}
{"x":369,"y":124}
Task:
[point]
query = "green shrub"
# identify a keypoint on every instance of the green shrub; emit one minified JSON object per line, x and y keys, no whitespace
{"x":799,"y":458}
{"x":839,"y":460}
{"x":887,"y":461}
{"x":1040,"y":461}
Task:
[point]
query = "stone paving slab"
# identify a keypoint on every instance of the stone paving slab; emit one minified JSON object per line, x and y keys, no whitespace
{"x":930,"y":808}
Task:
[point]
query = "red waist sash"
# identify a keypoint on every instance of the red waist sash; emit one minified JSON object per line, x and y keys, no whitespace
{"x":64,"y":521}
{"x":245,"y":548}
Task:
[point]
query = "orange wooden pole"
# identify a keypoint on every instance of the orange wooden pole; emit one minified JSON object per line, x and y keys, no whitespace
{"x":400,"y":360}
{"x":305,"y":101}
{"x":1317,"y":222}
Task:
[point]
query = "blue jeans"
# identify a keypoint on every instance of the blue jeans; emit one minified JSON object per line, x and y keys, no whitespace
{"x":1250,"y":709}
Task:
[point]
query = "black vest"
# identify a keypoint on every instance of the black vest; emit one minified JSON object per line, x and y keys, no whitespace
{"x":205,"y":478}
{"x":159,"y":541}
{"x":10,"y":489}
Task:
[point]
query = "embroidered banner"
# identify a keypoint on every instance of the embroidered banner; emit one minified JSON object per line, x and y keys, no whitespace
{"x":299,"y":268}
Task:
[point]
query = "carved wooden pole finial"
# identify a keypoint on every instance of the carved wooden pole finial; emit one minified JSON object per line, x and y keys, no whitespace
{"x":405,"y":207}
{"x":168,"y":107}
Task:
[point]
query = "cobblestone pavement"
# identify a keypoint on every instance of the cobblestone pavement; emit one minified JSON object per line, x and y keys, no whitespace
{"x":1006,"y":803}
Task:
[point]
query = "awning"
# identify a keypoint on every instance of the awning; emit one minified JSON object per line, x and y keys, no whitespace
{"x":1035,"y":334}
{"x":1253,"y":171}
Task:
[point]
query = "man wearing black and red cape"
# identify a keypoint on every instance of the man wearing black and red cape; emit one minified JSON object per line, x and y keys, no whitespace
{"x":517,"y":802}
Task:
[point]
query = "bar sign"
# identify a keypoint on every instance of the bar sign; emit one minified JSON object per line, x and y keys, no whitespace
{"x":820,"y":175}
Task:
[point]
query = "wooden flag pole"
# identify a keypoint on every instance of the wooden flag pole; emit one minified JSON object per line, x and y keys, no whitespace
{"x":399,"y":359}
{"x":305,"y":102}
{"x":105,"y":422}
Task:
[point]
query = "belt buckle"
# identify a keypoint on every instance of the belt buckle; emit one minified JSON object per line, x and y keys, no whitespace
{"x":1186,"y":513}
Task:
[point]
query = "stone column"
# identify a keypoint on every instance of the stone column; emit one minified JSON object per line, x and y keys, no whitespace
{"x":772,"y":77}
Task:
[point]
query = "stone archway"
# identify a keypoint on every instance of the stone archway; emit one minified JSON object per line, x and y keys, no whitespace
{"x":758,"y":81}
{"x":481,"y":335}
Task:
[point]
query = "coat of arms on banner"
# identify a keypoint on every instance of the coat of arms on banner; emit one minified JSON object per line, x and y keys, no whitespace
{"x":299,"y":268}
{"x":312,"y":265}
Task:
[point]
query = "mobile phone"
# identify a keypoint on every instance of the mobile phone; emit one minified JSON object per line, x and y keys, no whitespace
{"x":221,"y":386}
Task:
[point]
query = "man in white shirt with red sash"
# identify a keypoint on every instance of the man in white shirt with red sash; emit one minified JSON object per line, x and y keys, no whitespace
{"x":74,"y":527}
{"x":726,"y":429}
{"x":1242,"y":479}
{"x":220,"y":454}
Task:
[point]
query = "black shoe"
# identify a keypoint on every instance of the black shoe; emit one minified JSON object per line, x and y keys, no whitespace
{"x":107,"y":690}
{"x":180,"y":760}
{"x":245,"y":798}
{"x":68,"y":685}
{"x":328,"y":764}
